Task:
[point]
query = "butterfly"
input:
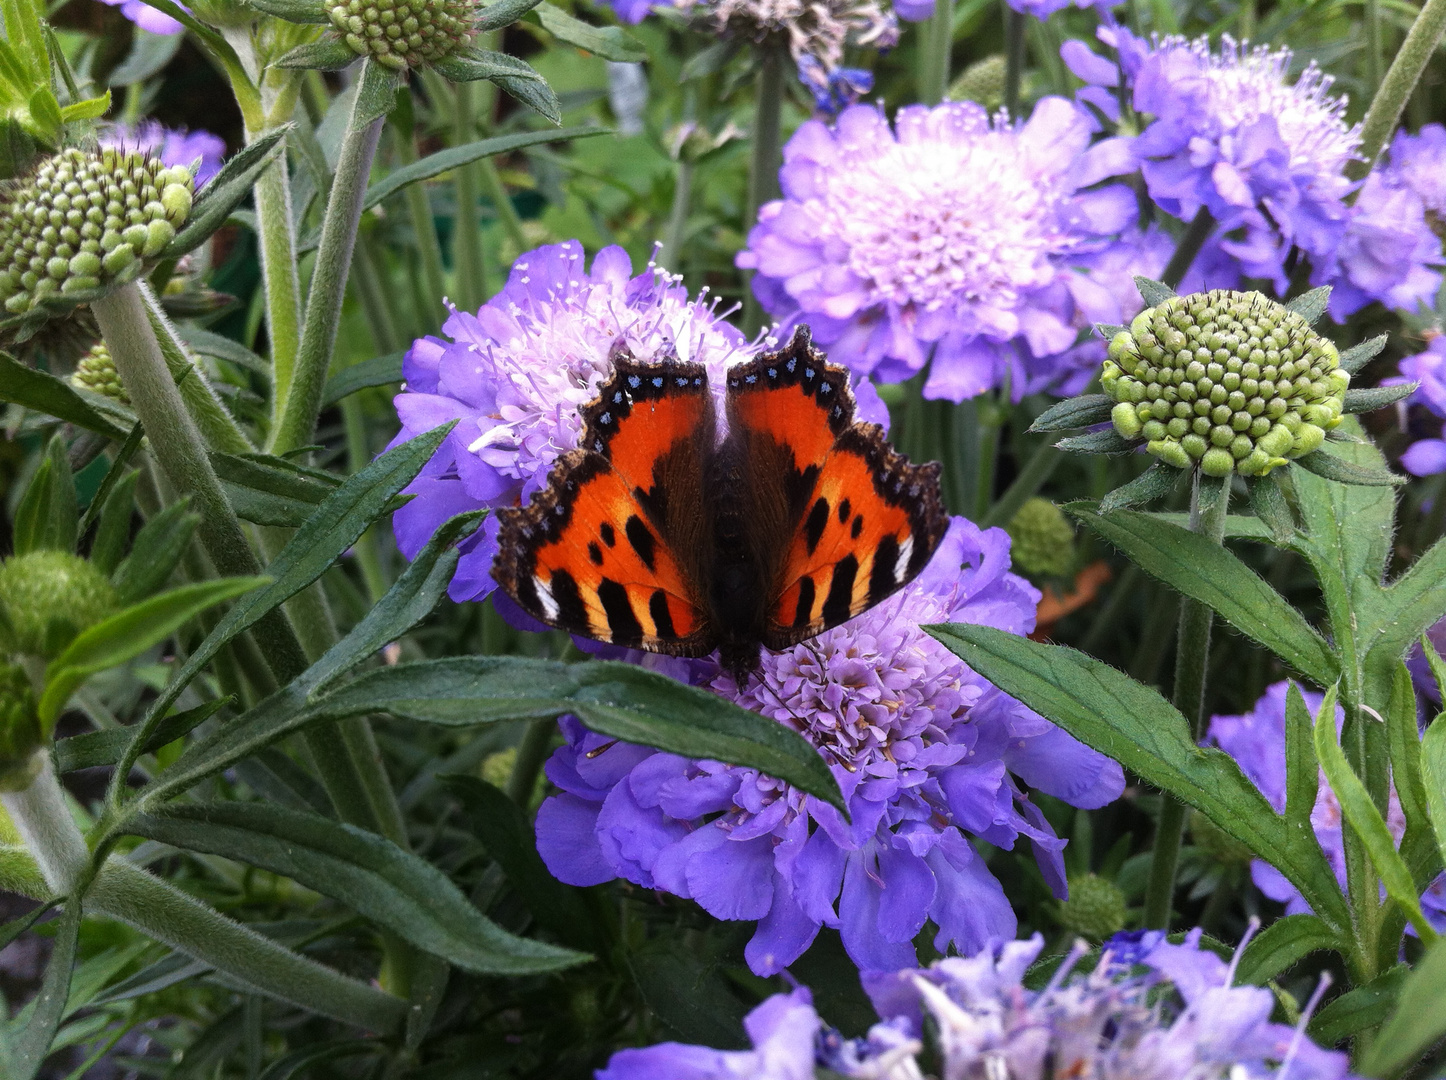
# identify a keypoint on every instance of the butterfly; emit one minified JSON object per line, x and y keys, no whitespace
{"x":655,"y":534}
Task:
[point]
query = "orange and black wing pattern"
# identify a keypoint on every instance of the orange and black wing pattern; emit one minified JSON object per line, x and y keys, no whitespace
{"x":862,"y":520}
{"x":596,"y":553}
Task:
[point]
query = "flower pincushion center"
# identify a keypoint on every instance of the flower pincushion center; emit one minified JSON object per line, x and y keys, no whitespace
{"x":402,"y":34}
{"x":1229,"y":381}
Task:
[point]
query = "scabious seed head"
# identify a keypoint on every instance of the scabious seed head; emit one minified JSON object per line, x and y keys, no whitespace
{"x":1228,"y":381}
{"x":1042,"y":539}
{"x":1095,"y":909}
{"x":84,"y":220}
{"x":96,"y":372}
{"x":402,"y":34}
{"x":20,"y":732}
{"x":48,"y":598}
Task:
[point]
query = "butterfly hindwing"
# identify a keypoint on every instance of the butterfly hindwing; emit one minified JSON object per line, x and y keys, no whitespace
{"x":604,"y":550}
{"x":860,"y":521}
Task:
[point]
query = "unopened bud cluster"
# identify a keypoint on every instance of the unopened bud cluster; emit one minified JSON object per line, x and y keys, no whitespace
{"x":1041,"y":539}
{"x":1228,"y":381}
{"x":96,"y":372}
{"x":1095,"y":909}
{"x":402,"y":34}
{"x":85,"y":220}
{"x":19,"y":727}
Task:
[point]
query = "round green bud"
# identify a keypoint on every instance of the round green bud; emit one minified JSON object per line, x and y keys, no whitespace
{"x":1095,"y":909}
{"x":402,"y":35}
{"x":96,"y":372}
{"x":1042,"y":539}
{"x":1240,"y":371}
{"x":20,"y":732}
{"x":49,"y":597}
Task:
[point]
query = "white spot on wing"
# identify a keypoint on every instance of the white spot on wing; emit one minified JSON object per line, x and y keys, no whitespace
{"x":901,"y":564}
{"x":544,"y":597}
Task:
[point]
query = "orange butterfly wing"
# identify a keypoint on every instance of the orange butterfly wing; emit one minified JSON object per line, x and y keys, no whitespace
{"x":861,"y":520}
{"x":597,"y":552}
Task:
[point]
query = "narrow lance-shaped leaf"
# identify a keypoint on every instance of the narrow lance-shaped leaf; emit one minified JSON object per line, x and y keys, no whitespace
{"x":1268,"y":502}
{"x":1333,"y":467}
{"x":47,"y":517}
{"x":1085,"y":410}
{"x":1369,"y":400}
{"x":116,"y":477}
{"x":44,"y":393}
{"x":1418,"y":843}
{"x":225,"y":191}
{"x":1311,"y":305}
{"x":1418,"y":1022}
{"x":1408,"y":607}
{"x":157,"y":549}
{"x":1281,"y":945}
{"x":96,"y":748}
{"x":1357,"y":357}
{"x":608,"y":42}
{"x":1153,"y":292}
{"x":33,"y":1046}
{"x":1154,"y":483}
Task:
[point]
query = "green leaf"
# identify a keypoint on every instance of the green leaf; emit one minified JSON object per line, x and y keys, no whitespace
{"x":1133,"y":724}
{"x":1154,"y":483}
{"x":226,"y":190}
{"x":33,"y":1045}
{"x":89,"y":109}
{"x":1302,"y":779}
{"x":45,"y":118}
{"x":312,"y":12}
{"x":370,"y":874}
{"x":507,"y":834}
{"x":1418,"y":1021}
{"x":44,"y":393}
{"x":328,"y":54}
{"x":378,"y":371}
{"x":519,"y":79}
{"x":116,"y":475}
{"x":446,"y":160}
{"x":376,"y":93}
{"x":1076,"y":412}
{"x":149,"y":54}
{"x":1353,"y":359}
{"x":130,"y":632}
{"x":627,"y":702}
{"x":709,"y":61}
{"x":1332,"y":467}
{"x":503,"y":13}
{"x":1153,"y":292}
{"x":1407,"y":607}
{"x":1418,"y":843}
{"x":1359,"y":401}
{"x":1268,"y":502}
{"x":1207,"y":572}
{"x":94,"y":749}
{"x":1311,"y":305}
{"x":16,"y":927}
{"x":1358,"y":1010}
{"x":298,"y":1060}
{"x":222,"y":348}
{"x":1365,"y":820}
{"x":47,"y":518}
{"x":1108,"y":441}
{"x":608,"y":42}
{"x":270,"y":490}
{"x":114,"y":530}
{"x":1283,"y":944}
{"x":157,"y":550}
{"x":1433,"y":772}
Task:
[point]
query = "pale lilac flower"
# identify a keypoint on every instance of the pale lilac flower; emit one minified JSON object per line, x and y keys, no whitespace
{"x":1420,"y":161}
{"x":147,"y":17}
{"x":926,"y":754}
{"x":515,"y":374}
{"x":172,"y":146}
{"x":950,"y":239}
{"x":1425,"y":456}
{"x":1256,"y":740}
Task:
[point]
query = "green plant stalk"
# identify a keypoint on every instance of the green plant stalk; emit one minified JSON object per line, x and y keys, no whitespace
{"x":429,"y":250}
{"x":1039,"y":468}
{"x":1375,"y":52}
{"x":531,"y":754}
{"x":767,"y":157}
{"x":1191,"y":241}
{"x":163,"y":912}
{"x":43,"y":820}
{"x":502,"y":204}
{"x":1192,"y":661}
{"x":374,"y":298}
{"x":328,"y":282}
{"x":1397,"y":86}
{"x":215,"y":423}
{"x":677,"y":230}
{"x":358,"y":455}
{"x":468,"y":254}
{"x":279,"y":277}
{"x":1013,"y":59}
{"x":937,"y":44}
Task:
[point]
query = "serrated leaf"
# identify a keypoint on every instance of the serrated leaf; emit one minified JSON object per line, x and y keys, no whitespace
{"x":312,"y":12}
{"x":1108,"y":441}
{"x":47,"y":518}
{"x":156,"y":551}
{"x":1408,"y":607}
{"x":328,"y":54}
{"x":1332,"y":467}
{"x":503,"y":13}
{"x":1418,"y":1021}
{"x":33,"y":1045}
{"x":1152,"y":292}
{"x":1154,"y":483}
{"x":1365,"y":820}
{"x":1268,"y":502}
{"x":379,"y":880}
{"x":1085,"y":410}
{"x":1360,"y":401}
{"x":130,"y":632}
{"x":446,"y":160}
{"x":1281,"y":945}
{"x":226,"y":190}
{"x":1357,"y":357}
{"x":1311,"y":305}
{"x":94,"y":749}
{"x":608,"y":42}
{"x":1133,"y":724}
{"x":1207,"y":572}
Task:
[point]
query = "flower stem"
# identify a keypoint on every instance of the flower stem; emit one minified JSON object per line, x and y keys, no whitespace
{"x":1398,"y":84}
{"x":328,"y":282}
{"x":1013,"y":59}
{"x":1191,"y":241}
{"x":429,"y":250}
{"x":43,"y":821}
{"x":936,"y":47}
{"x":530,"y":756}
{"x":767,"y":156}
{"x":678,"y":216}
{"x":1374,"y":50}
{"x":467,"y":252}
{"x":1031,"y":478}
{"x":1209,"y":500}
{"x":279,"y":276}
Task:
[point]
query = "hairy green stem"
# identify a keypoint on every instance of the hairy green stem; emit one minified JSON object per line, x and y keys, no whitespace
{"x":1013,"y":59}
{"x":677,"y":230}
{"x":468,"y":254}
{"x":279,"y":276}
{"x":429,"y":250}
{"x":1375,"y":52}
{"x":43,"y":821}
{"x":375,"y":298}
{"x":215,"y":424}
{"x":328,"y":280}
{"x":1191,"y":241}
{"x":530,"y":757}
{"x":1399,"y":83}
{"x":935,"y":47}
{"x":1031,"y":478}
{"x":1192,"y":662}
{"x":767,"y":156}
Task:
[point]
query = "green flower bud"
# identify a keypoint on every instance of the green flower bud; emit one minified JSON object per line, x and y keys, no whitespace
{"x":402,"y":34}
{"x":1095,"y":909}
{"x":982,"y":82}
{"x":81,"y":219}
{"x":1250,"y":382}
{"x":96,"y":372}
{"x":20,"y":734}
{"x":1042,"y":539}
{"x":49,"y":597}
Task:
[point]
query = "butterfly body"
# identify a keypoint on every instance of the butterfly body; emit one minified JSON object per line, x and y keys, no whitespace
{"x":656,"y":534}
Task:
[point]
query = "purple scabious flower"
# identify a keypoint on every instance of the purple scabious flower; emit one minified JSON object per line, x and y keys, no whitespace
{"x":1256,"y":740}
{"x":1388,"y":251}
{"x":1426,"y":457}
{"x":147,"y":17}
{"x":951,"y":239}
{"x":928,"y":755}
{"x":514,"y":374}
{"x":172,"y":146}
{"x":1420,"y":162}
{"x":1180,"y":1018}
